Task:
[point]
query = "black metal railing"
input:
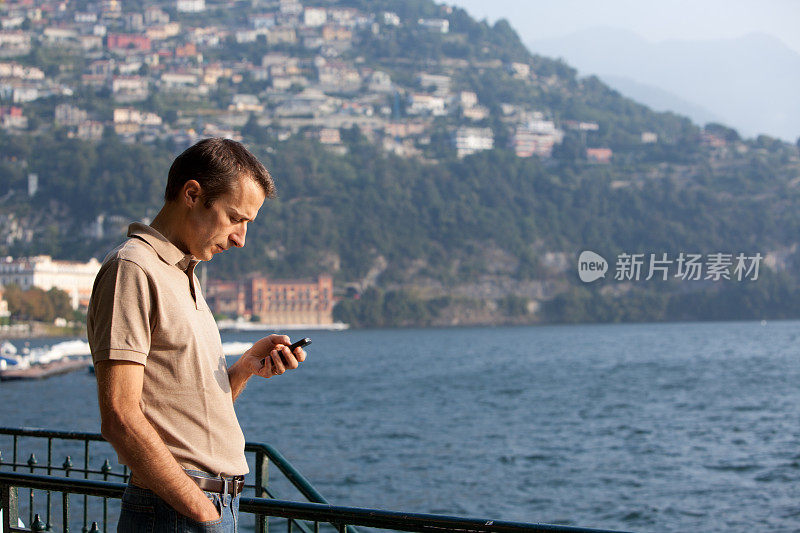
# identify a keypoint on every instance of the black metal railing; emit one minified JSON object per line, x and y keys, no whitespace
{"x":294,"y":512}
{"x":104,"y":484}
{"x":85,"y":455}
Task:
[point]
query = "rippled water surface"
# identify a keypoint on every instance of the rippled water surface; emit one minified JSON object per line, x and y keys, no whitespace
{"x":669,"y":427}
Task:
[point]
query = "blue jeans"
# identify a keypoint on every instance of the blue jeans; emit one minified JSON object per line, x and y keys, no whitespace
{"x":142,"y":511}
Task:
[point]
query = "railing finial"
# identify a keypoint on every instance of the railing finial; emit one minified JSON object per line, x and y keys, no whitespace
{"x":37,"y":524}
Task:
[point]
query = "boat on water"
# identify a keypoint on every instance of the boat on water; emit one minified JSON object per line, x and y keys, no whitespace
{"x":38,"y":363}
{"x":45,"y":370}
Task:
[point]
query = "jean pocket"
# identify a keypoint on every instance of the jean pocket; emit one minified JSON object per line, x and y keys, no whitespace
{"x":136,"y":518}
{"x":209,"y":525}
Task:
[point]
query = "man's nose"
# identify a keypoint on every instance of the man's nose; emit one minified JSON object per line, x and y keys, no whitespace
{"x":237,"y":237}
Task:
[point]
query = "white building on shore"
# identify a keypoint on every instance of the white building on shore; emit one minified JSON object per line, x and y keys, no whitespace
{"x":41,"y":271}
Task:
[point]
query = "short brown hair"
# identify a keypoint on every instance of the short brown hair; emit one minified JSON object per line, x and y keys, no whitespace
{"x":216,"y":164}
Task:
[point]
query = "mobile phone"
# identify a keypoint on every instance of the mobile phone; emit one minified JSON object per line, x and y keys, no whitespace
{"x":305,"y":341}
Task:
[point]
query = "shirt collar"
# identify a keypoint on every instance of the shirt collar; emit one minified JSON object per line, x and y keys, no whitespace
{"x":168,"y":252}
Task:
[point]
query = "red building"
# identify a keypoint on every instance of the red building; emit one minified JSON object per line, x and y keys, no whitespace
{"x":274,"y":301}
{"x":599,"y":155}
{"x":127,"y":42}
{"x":188,"y":50}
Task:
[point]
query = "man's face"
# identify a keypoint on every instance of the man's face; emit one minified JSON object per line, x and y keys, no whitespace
{"x":214,"y":229}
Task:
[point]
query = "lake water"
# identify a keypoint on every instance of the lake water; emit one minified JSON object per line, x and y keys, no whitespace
{"x":655,"y":427}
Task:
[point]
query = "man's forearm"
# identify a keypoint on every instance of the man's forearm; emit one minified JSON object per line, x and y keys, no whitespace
{"x":238,"y":375}
{"x":152,"y":464}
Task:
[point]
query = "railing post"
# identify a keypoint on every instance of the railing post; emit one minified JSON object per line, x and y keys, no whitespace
{"x":48,"y":525}
{"x":65,"y":511}
{"x":5,"y":507}
{"x":106,"y":468}
{"x":65,"y":497}
{"x":262,"y":480}
{"x":10,"y":507}
{"x":85,"y":527}
{"x":13,"y":506}
{"x":31,"y":463}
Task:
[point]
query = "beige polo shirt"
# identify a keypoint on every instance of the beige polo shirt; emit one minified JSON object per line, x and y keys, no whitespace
{"x":147,"y":307}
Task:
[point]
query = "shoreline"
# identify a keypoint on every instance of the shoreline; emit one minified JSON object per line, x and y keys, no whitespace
{"x":35,"y":330}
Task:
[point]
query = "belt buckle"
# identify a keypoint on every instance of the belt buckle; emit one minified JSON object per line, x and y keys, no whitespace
{"x":224,"y":491}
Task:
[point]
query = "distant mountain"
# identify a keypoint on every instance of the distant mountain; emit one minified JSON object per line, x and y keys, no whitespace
{"x":660,"y":99}
{"x":750,"y":82}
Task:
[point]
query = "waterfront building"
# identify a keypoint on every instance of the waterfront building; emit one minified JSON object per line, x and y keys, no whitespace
{"x":274,"y":301}
{"x":4,"y":313}
{"x":42,"y":271}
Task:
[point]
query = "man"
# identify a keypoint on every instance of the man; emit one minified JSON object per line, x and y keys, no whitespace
{"x":165,"y":392}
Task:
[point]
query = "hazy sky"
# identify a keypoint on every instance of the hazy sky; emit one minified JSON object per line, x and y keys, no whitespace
{"x":653,"y":20}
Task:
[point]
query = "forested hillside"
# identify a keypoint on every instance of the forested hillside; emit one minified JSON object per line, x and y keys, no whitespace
{"x":435,"y":238}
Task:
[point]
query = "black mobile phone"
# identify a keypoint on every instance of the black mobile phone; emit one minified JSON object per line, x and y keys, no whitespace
{"x":305,"y":341}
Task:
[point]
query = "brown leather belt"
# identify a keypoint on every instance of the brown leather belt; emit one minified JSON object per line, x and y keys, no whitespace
{"x":230,"y":485}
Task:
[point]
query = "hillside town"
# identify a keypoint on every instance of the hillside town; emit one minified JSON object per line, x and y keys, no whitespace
{"x":156,"y":75}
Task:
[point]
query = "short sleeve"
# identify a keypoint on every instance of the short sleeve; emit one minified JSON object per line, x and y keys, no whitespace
{"x":119,"y":314}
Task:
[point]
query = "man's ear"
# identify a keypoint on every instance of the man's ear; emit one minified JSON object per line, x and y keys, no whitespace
{"x":191,"y":193}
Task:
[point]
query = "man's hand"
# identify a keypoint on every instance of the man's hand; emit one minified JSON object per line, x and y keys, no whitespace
{"x":268,"y":357}
{"x":209,"y":513}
